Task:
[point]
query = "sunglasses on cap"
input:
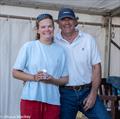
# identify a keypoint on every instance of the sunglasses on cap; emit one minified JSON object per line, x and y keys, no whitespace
{"x":44,"y":16}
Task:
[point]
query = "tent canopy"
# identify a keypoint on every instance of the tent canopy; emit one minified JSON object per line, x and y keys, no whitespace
{"x":97,"y":7}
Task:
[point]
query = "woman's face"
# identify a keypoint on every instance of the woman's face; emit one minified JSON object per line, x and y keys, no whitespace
{"x":46,"y":29}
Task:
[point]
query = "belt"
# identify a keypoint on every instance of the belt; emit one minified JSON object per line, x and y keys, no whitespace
{"x":79,"y":87}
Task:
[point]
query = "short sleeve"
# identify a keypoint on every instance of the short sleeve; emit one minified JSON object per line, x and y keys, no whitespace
{"x":95,"y":54}
{"x":65,"y":67}
{"x":21,"y":59}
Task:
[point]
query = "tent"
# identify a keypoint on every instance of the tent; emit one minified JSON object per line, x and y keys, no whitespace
{"x":101,"y":18}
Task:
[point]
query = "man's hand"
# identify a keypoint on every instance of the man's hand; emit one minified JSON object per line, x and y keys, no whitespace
{"x":89,"y":101}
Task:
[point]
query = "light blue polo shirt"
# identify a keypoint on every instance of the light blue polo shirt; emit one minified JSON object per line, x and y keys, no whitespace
{"x":35,"y":56}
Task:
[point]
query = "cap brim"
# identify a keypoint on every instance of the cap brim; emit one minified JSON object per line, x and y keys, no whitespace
{"x":68,"y":16}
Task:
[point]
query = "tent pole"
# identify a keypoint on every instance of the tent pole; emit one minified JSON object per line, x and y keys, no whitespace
{"x":33,"y":18}
{"x":107,"y":47}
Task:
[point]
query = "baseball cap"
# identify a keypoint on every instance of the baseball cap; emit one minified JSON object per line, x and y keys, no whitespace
{"x":66,"y":12}
{"x":44,"y":16}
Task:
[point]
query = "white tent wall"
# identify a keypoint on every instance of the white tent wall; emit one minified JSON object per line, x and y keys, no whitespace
{"x":115,"y":52}
{"x":15,"y":32}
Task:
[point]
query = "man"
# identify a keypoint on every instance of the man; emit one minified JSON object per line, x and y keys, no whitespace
{"x":84,"y":65}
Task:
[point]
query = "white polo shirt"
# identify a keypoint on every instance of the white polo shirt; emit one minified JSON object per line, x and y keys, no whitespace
{"x":35,"y":56}
{"x":82,"y":54}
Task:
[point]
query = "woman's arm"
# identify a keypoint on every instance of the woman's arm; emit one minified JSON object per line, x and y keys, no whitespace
{"x":61,"y":81}
{"x":18,"y":74}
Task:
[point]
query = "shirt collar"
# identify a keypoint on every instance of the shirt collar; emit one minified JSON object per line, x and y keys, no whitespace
{"x":62,"y":39}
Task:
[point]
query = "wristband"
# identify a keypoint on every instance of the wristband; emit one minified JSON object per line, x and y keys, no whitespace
{"x":34,"y":77}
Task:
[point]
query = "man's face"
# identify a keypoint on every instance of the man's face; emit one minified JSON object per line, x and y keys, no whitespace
{"x":67,"y":25}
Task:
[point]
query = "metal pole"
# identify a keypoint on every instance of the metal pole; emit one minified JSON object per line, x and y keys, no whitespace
{"x":107,"y":47}
{"x":33,"y":18}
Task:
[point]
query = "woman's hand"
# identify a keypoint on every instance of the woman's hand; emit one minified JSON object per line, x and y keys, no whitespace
{"x":47,"y":78}
{"x":41,"y":76}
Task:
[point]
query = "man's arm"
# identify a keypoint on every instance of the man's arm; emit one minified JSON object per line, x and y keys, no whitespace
{"x":96,"y":77}
{"x":96,"y":80}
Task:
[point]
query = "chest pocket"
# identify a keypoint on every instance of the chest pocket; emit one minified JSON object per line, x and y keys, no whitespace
{"x":80,"y":54}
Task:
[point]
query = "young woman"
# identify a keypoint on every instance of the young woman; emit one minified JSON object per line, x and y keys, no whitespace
{"x":41,"y":64}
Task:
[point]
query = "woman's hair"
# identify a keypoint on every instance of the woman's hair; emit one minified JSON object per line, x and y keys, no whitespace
{"x":41,"y":17}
